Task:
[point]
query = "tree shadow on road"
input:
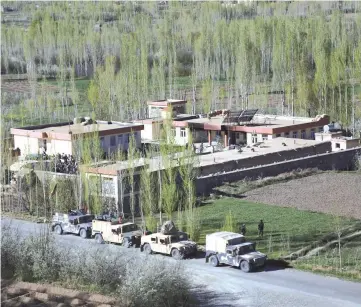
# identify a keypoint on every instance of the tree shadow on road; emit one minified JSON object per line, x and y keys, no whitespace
{"x":206,"y":298}
{"x":276,"y":265}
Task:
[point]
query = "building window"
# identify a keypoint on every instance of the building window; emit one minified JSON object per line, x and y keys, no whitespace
{"x":237,"y":135}
{"x":312,"y":134}
{"x":264,"y":137}
{"x":338,"y":145}
{"x":120,"y":139}
{"x":254,"y":138}
{"x":303,"y":134}
{"x":183,"y":132}
{"x":320,"y":129}
{"x":102,"y":141}
{"x":278,"y":135}
{"x":294,"y":134}
{"x":287,"y":134}
{"x":127,"y":138}
{"x":112,"y":141}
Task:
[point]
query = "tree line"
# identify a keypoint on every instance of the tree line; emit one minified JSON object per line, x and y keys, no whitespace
{"x":135,"y":51}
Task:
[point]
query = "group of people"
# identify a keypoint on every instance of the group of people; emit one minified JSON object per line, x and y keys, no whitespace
{"x":66,"y":164}
{"x":243,"y":229}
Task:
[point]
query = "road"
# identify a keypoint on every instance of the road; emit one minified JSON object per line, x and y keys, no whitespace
{"x":227,"y":286}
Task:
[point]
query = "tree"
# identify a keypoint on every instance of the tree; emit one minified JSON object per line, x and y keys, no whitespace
{"x":229,"y":223}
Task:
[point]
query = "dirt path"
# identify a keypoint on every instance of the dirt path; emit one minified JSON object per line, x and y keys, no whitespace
{"x":334,"y":193}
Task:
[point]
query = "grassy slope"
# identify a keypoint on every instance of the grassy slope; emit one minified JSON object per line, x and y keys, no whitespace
{"x":286,"y":229}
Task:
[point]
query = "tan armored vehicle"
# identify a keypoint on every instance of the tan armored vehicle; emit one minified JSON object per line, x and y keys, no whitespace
{"x":169,"y":241}
{"x":126,"y":234}
{"x":231,"y":248}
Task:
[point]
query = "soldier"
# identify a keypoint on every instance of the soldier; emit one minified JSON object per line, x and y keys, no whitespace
{"x":260,"y":228}
{"x":243,"y":229}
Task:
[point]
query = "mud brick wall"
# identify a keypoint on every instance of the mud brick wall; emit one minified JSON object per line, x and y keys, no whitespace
{"x":265,"y":159}
{"x":341,"y":160}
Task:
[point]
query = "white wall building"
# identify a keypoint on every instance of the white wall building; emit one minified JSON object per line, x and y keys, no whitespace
{"x":62,"y":138}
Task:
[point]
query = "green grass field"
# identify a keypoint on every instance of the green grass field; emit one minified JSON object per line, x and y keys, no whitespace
{"x":286,"y":229}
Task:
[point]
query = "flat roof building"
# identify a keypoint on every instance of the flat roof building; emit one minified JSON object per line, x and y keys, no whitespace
{"x":60,"y":138}
{"x":227,"y":127}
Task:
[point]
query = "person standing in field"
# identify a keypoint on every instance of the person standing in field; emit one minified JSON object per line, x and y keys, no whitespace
{"x":260,"y":228}
{"x":243,"y":229}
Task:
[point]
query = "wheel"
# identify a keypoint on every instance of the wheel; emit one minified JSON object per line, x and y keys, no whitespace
{"x":147,"y":249}
{"x":214,"y":261}
{"x":176,"y":254}
{"x":99,"y":238}
{"x":58,"y":230}
{"x":245,"y":266}
{"x":83,"y":234}
{"x":126,"y":242}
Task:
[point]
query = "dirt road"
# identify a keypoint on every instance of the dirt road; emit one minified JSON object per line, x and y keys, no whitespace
{"x":226,"y":286}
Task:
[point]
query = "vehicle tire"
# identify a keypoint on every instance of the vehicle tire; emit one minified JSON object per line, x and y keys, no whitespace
{"x":147,"y":248}
{"x":99,"y":238}
{"x":176,"y":254}
{"x":58,"y":230}
{"x":126,"y":242}
{"x":214,"y":261}
{"x":245,"y":266}
{"x":83,"y":233}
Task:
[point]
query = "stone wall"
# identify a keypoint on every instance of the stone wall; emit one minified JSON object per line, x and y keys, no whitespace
{"x":265,"y":159}
{"x":341,"y":160}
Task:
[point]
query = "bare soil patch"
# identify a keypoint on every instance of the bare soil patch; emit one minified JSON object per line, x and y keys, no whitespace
{"x":333,"y":193}
{"x":31,"y":294}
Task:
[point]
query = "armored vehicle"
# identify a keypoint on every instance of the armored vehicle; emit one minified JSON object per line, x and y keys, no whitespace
{"x":74,"y":222}
{"x":169,"y":241}
{"x":126,"y":234}
{"x":231,"y":248}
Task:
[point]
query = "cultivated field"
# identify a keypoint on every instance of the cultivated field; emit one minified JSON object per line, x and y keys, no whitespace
{"x":334,"y":193}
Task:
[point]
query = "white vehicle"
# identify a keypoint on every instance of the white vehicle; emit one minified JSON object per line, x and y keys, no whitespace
{"x":232,"y":249}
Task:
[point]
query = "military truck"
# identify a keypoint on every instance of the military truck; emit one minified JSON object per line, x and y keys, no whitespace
{"x":73,"y":222}
{"x":126,"y":234}
{"x":232,"y":249}
{"x":169,"y":241}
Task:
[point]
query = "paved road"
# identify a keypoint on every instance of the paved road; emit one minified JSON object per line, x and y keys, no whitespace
{"x":226,"y":286}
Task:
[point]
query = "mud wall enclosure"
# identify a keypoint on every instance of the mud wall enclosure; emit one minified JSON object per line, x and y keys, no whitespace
{"x":264,"y":159}
{"x":341,"y":160}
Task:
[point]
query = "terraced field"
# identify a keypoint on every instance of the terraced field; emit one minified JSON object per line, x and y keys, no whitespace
{"x":334,"y":193}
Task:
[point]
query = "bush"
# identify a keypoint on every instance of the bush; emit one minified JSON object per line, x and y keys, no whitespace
{"x":136,"y":280}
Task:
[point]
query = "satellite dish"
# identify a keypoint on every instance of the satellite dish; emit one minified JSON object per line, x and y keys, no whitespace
{"x":326,"y":128}
{"x":336,"y":126}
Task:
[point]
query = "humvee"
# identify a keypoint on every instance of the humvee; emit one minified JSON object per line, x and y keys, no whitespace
{"x":232,"y":249}
{"x":73,"y":222}
{"x":169,"y":241}
{"x":126,"y":234}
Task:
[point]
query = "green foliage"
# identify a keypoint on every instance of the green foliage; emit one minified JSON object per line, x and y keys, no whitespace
{"x":63,"y":195}
{"x":229,"y":222}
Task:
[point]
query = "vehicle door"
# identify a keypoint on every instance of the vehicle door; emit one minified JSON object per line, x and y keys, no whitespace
{"x":164,"y":245}
{"x":154,"y":243}
{"x":67,"y":225}
{"x":230,"y":256}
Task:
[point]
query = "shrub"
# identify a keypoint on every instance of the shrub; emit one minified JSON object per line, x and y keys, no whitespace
{"x":138,"y":281}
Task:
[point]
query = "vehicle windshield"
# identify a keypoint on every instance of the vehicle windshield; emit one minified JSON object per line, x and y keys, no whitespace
{"x":86,"y":219}
{"x":129,"y":228}
{"x":246,"y":249}
{"x":179,"y":237}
